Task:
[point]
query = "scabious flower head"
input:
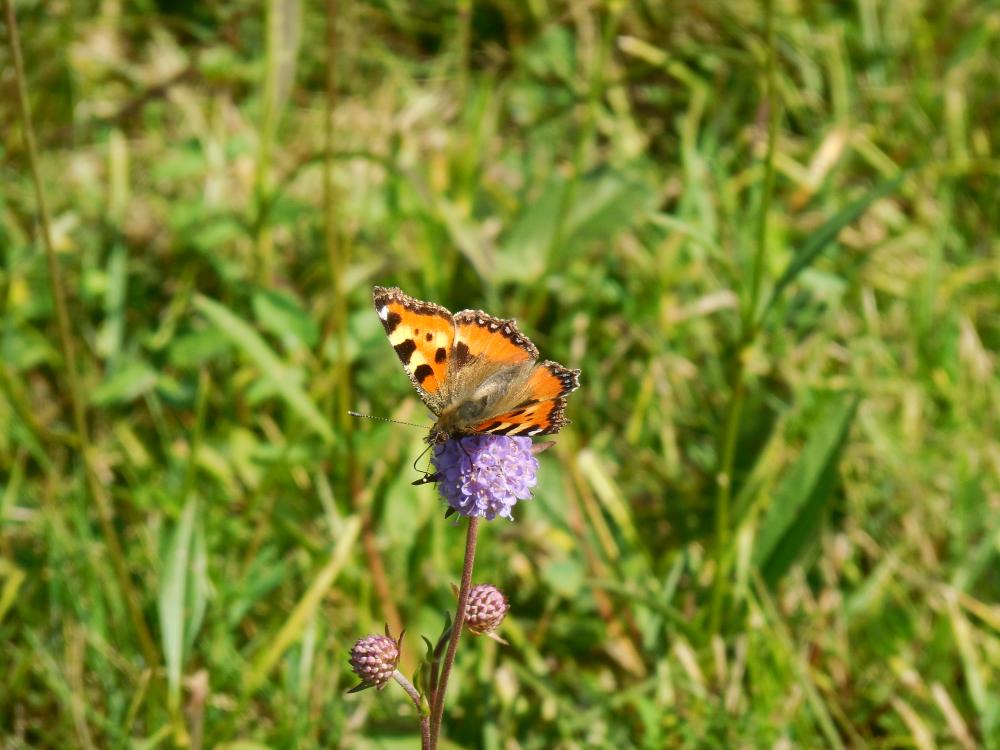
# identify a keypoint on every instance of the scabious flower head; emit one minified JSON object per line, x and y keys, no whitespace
{"x":485,"y":475}
{"x":374,"y":659}
{"x":485,"y":609}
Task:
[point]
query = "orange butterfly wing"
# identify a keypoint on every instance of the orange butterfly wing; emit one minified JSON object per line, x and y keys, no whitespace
{"x":542,"y":413}
{"x":479,"y":336}
{"x":422,"y":334}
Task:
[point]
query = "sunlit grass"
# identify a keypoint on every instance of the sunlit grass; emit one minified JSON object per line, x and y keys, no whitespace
{"x":600,"y":173}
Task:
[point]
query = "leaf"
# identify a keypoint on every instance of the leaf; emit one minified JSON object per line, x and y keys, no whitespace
{"x":552,"y":54}
{"x":133,"y":379}
{"x":27,"y":349}
{"x":109,"y":340}
{"x":466,"y":234}
{"x":444,"y":636}
{"x":172,"y":601}
{"x":826,"y":234}
{"x":282,"y":315}
{"x":189,"y":351}
{"x":247,"y":340}
{"x":400,"y":519}
{"x":608,"y":202}
{"x":284,"y":30}
{"x":564,"y":576}
{"x":605,"y":202}
{"x":265,"y":574}
{"x":198,"y":586}
{"x":12,"y":578}
{"x":796,"y":510}
{"x":429,"y":647}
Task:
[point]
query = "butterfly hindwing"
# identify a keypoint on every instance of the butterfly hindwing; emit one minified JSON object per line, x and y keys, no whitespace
{"x":540,"y":418}
{"x":550,"y":380}
{"x":542,"y":402}
{"x":422,"y":334}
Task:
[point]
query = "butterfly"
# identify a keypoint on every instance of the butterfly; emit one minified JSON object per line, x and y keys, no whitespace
{"x":477,"y":373}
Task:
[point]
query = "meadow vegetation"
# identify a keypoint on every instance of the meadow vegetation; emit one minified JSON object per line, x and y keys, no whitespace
{"x":766,"y":232}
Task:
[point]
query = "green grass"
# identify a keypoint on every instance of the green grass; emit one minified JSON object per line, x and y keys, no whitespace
{"x":774,"y":255}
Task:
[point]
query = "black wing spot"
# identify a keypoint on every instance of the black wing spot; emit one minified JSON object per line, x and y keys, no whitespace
{"x":441,"y":354}
{"x":405,"y":350}
{"x":429,"y":336}
{"x":461,"y":353}
{"x":423,"y":372}
{"x":392,"y":320}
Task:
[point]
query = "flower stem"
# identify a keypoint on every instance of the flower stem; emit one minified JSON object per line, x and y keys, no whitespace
{"x":437,"y":700}
{"x":418,"y":703}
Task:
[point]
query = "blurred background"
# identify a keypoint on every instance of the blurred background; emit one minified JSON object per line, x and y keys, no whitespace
{"x":766,"y":233}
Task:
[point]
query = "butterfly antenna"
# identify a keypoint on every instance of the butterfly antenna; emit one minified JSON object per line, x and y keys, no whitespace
{"x":386,"y":419}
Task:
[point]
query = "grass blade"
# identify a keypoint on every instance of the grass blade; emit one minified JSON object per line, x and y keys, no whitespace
{"x":796,"y":510}
{"x":304,"y":610}
{"x":247,"y":340}
{"x":826,"y":234}
{"x":172,"y":602}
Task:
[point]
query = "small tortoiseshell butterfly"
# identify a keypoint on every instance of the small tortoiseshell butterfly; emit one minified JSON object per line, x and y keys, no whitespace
{"x":477,"y":373}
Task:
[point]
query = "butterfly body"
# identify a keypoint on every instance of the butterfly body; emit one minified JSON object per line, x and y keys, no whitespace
{"x":477,"y":373}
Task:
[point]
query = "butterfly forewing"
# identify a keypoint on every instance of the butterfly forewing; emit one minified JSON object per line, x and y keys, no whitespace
{"x":482,"y":337}
{"x":422,"y":334}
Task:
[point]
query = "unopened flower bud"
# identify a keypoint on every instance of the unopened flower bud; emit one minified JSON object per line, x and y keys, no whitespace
{"x":485,"y":609}
{"x":374,"y":659}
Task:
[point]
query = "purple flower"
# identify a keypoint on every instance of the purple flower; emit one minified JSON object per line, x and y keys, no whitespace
{"x":485,"y":475}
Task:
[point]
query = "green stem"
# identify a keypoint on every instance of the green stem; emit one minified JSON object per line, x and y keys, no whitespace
{"x":724,"y":493}
{"x":749,"y":323}
{"x":749,"y":328}
{"x":420,"y":705}
{"x":335,"y":250}
{"x":464,"y":39}
{"x":94,"y":488}
{"x":262,"y":176}
{"x":437,"y":700}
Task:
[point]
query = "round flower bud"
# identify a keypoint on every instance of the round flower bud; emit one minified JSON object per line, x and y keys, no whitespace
{"x":485,"y":475}
{"x":374,"y":659}
{"x":485,"y":609}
